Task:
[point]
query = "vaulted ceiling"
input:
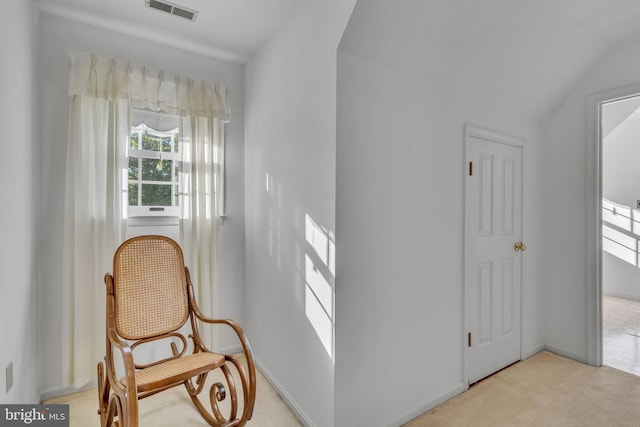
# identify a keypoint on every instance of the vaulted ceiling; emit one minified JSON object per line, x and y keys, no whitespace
{"x":537,"y":49}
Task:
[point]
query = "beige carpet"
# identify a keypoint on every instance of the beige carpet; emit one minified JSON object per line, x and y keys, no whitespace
{"x":544,"y":390}
{"x":173,"y":408}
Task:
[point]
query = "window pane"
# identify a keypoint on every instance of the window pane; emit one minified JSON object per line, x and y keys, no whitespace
{"x":166,"y":144}
{"x":156,"y":195}
{"x":133,"y":194}
{"x":150,"y":142}
{"x":156,"y":170}
{"x":153,"y":180}
{"x":133,"y":168}
{"x":133,"y":142}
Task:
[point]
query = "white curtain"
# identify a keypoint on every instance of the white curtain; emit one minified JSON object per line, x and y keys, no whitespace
{"x":102,"y":92}
{"x":201,"y":204}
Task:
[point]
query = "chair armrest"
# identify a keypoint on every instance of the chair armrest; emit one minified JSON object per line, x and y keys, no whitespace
{"x":114,"y":341}
{"x":244,"y":342}
{"x":127,"y":358}
{"x":235,"y":326}
{"x":125,"y":389}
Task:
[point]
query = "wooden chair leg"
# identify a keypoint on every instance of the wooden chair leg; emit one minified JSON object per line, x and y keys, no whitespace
{"x":124,"y":413}
{"x":103,"y":394}
{"x":247,"y":382}
{"x":217,"y":393}
{"x":112,"y":409}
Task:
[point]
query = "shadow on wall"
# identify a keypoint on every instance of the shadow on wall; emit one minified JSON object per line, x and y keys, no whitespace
{"x":621,"y":231}
{"x":317,"y":270}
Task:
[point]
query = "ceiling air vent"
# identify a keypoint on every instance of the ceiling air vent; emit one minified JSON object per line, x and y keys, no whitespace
{"x":173,"y":9}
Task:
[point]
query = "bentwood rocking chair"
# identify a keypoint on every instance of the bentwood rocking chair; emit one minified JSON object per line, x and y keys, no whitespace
{"x":150,"y":298}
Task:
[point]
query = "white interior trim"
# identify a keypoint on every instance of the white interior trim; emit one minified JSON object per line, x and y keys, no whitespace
{"x":593,"y":250}
{"x":622,"y":295}
{"x":286,"y":397}
{"x":59,"y":391}
{"x":563,"y":353}
{"x":498,"y":137}
{"x":456,"y":390}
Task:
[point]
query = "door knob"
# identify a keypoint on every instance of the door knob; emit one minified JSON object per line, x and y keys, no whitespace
{"x":519,"y":246}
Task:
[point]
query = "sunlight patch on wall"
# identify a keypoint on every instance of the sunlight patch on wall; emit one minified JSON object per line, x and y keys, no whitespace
{"x":322,"y":242}
{"x":319,"y":274}
{"x":319,"y":286}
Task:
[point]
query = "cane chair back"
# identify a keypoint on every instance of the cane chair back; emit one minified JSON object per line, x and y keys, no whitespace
{"x":150,"y":288}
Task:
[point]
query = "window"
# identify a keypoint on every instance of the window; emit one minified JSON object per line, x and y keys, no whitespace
{"x":154,"y":164}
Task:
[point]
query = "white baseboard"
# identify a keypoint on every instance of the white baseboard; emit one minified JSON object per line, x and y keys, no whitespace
{"x":459,"y":388}
{"x":286,"y":397}
{"x":621,"y":295}
{"x":456,"y":390}
{"x":532,"y":351}
{"x":234,"y":349}
{"x":564,"y":353}
{"x":59,"y":391}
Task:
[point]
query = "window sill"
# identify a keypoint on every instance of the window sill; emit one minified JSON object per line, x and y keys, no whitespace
{"x":155,"y":221}
{"x":146,"y":221}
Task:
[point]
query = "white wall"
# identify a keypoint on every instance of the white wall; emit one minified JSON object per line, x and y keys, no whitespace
{"x":406,"y":88}
{"x":19,"y":194}
{"x":620,"y":153}
{"x":620,"y":278}
{"x":566,"y":199}
{"x":58,"y":38}
{"x":290,"y":206}
{"x":620,"y":178}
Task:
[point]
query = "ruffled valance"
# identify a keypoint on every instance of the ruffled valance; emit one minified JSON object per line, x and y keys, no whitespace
{"x":102,"y":77}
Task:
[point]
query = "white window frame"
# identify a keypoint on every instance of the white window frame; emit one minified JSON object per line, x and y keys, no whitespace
{"x":153,"y":211}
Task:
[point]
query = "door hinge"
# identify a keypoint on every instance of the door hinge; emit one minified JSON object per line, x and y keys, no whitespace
{"x":470,"y":168}
{"x":469,"y":339}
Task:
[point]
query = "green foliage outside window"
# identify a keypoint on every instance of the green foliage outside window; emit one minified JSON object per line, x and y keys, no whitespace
{"x":133,"y":194}
{"x":156,"y":195}
{"x":133,"y":168}
{"x":152,"y":178}
{"x":156,"y":170}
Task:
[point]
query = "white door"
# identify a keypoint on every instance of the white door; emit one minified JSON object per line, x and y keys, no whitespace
{"x":493,"y":253}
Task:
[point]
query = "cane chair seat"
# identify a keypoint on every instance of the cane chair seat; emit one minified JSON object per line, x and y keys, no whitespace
{"x":176,"y":370}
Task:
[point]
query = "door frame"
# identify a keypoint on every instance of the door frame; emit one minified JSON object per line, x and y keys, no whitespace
{"x":594,"y":215}
{"x":472,"y":131}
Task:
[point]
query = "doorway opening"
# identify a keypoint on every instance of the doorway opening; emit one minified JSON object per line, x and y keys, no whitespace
{"x":620,"y":233}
